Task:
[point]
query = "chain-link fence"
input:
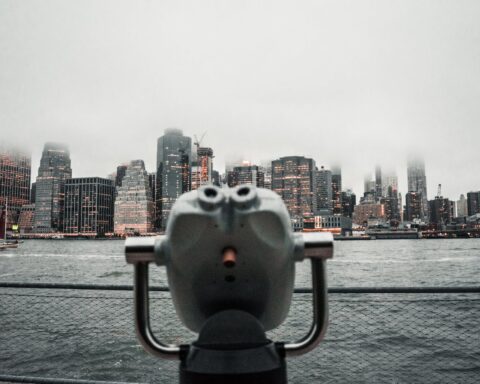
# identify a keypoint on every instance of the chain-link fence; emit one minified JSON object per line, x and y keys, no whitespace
{"x":383,"y":337}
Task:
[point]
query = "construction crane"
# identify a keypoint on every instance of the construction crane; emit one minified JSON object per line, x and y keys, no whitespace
{"x":197,"y":142}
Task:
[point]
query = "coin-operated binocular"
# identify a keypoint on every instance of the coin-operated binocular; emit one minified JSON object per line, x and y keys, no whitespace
{"x":230,"y":257}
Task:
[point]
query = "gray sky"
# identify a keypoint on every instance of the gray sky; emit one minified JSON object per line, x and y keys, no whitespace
{"x":354,"y":82}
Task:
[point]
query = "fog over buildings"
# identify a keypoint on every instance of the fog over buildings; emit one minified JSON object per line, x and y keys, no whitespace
{"x":355,"y":83}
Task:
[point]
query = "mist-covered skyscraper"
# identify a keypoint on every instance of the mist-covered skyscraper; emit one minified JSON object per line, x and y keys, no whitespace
{"x":174,"y":155}
{"x":417,"y":182}
{"x":55,"y":168}
{"x":389,"y":180}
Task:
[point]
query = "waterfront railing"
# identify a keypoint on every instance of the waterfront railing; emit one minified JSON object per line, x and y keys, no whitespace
{"x":82,"y":333}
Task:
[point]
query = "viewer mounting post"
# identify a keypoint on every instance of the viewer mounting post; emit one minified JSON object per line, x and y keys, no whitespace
{"x":230,"y":258}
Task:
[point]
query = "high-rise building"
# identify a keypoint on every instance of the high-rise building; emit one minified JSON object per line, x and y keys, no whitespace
{"x":33,"y":192}
{"x":366,"y":211}
{"x":246,"y":174}
{"x":349,"y":200}
{"x":378,"y":183}
{"x":440,"y":211}
{"x":389,"y":180}
{"x":390,"y":202}
{"x":88,"y":209}
{"x":293,"y":178}
{"x":174,"y":155}
{"x":202,"y":168}
{"x":337,"y":190}
{"x":25,"y":221}
{"x":413,"y":206}
{"x":152,"y":182}
{"x":121,"y":169}
{"x":55,"y":168}
{"x":134,"y":208}
{"x":462,"y":206}
{"x":15,"y":169}
{"x":400,"y":206}
{"x":216,"y":180}
{"x":473,"y":203}
{"x":417,"y":182}
{"x":266,"y":168}
{"x":369,"y":189}
{"x":323,"y":191}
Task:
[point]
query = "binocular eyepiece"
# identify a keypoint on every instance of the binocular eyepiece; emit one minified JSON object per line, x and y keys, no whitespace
{"x":230,"y":258}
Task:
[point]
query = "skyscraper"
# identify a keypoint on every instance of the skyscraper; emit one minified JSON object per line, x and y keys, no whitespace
{"x":134,"y":210}
{"x":216,"y":180}
{"x":55,"y":168}
{"x":368,"y":188}
{"x":390,"y":203}
{"x":121,"y":169}
{"x":25,"y":220}
{"x":293,"y":178}
{"x":337,"y":190}
{"x":378,"y":182}
{"x":323,"y":191}
{"x":15,"y":169}
{"x":413,"y":206}
{"x":389,"y":180}
{"x":417,"y":182}
{"x":88,"y":208}
{"x":440,"y":211}
{"x":33,"y":192}
{"x":462,"y":207}
{"x":266,"y":168}
{"x":473,"y":203}
{"x":202,"y":168}
{"x":174,"y":152}
{"x":349,"y":200}
{"x":246,"y":174}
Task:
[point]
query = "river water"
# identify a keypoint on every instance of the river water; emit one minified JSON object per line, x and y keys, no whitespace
{"x":372,"y":338}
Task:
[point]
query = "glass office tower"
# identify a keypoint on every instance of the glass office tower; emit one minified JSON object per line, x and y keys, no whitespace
{"x":55,"y":168}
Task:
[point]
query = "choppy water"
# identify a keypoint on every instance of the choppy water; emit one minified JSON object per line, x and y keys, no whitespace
{"x":371,"y":339}
{"x":446,"y":262}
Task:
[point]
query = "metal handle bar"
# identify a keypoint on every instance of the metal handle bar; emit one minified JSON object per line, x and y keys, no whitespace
{"x":320,"y":313}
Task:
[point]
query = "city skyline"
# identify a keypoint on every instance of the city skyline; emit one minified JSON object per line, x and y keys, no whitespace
{"x":357,"y":83}
{"x":143,"y":200}
{"x":387,"y":171}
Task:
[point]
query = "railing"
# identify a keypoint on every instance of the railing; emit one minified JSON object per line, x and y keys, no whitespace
{"x":72,"y":333}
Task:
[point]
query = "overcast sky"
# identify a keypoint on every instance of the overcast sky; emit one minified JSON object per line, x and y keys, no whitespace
{"x":353,"y":82}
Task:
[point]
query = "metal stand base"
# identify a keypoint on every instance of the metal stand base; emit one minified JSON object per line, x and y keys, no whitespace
{"x":232,"y":349}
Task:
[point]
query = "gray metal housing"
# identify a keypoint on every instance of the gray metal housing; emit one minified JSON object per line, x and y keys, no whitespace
{"x":202,"y":224}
